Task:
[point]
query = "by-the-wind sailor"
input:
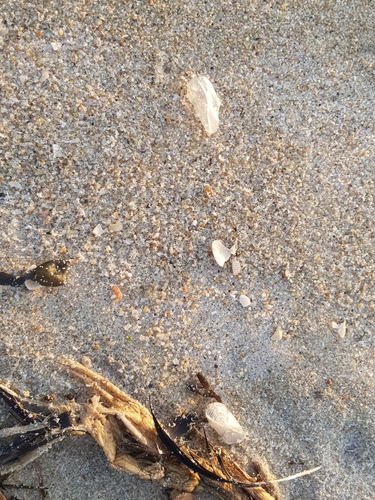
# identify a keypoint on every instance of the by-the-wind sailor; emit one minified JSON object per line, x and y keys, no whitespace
{"x":224,"y":423}
{"x":203,"y":97}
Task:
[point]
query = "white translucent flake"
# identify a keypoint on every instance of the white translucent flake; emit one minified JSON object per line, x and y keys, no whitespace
{"x":278,"y":334}
{"x":236,"y":267}
{"x":202,"y":95}
{"x":224,"y":423}
{"x":57,"y":151}
{"x":32,"y":285}
{"x":341,"y":328}
{"x":56,"y":46}
{"x":244,"y":301}
{"x":220,"y":252}
{"x":15,"y":184}
{"x":98,"y":230}
{"x":116,"y":226}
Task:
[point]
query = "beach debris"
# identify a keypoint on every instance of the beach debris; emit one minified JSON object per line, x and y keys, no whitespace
{"x":32,"y":285}
{"x":203,"y":97}
{"x":56,"y":46}
{"x":116,"y":293}
{"x":203,"y":388}
{"x":220,"y":252}
{"x":224,"y":423}
{"x":341,"y":328}
{"x":208,"y":190}
{"x":244,"y":301}
{"x":57,"y":151}
{"x":132,"y":439}
{"x":236,"y":267}
{"x":116,"y":226}
{"x":98,"y":230}
{"x":15,"y":184}
{"x":277,"y":334}
{"x":51,"y":273}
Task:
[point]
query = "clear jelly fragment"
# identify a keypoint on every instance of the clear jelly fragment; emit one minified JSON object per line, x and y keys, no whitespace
{"x":203,"y":97}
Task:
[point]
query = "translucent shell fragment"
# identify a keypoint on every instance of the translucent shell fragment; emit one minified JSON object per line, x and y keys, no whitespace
{"x":203,"y":97}
{"x":220,"y":252}
{"x":224,"y":423}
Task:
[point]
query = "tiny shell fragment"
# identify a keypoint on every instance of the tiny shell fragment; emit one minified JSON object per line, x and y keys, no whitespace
{"x":220,"y":252}
{"x":98,"y":230}
{"x":244,"y":301}
{"x":203,"y":97}
{"x":117,"y":226}
{"x":32,"y":285}
{"x":56,"y":45}
{"x":278,"y":334}
{"x":236,"y":267}
{"x":116,"y":293}
{"x":342,"y":329}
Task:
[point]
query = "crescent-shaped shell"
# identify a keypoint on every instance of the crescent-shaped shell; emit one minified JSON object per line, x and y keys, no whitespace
{"x":224,"y":423}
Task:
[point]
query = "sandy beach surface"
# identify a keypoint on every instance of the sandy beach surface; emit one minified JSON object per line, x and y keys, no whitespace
{"x":95,"y":129}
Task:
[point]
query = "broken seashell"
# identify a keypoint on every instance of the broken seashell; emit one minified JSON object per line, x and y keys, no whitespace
{"x":224,"y":423}
{"x":203,"y":97}
{"x":117,"y":226}
{"x":32,"y":285}
{"x":244,"y":301}
{"x":98,"y":230}
{"x":236,"y":267}
{"x":341,"y":328}
{"x":278,"y":334}
{"x":220,"y":252}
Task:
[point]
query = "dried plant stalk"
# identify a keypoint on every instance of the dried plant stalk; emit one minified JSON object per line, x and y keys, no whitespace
{"x":125,"y":430}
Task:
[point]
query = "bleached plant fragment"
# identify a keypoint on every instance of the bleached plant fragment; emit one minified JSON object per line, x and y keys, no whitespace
{"x":203,"y":97}
{"x":220,"y":252}
{"x":224,"y":423}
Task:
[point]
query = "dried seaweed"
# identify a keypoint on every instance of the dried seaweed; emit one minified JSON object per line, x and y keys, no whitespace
{"x":134,"y":441}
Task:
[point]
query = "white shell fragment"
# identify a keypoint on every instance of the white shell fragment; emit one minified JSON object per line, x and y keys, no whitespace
{"x":32,"y":285}
{"x":341,"y":328}
{"x":220,"y":252}
{"x":236,"y":267}
{"x":98,"y":230}
{"x":203,"y":97}
{"x":224,"y":423}
{"x":278,"y":334}
{"x":244,"y":301}
{"x":116,"y":226}
{"x":56,"y":46}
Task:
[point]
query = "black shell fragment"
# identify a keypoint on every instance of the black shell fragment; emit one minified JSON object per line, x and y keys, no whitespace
{"x":50,"y":273}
